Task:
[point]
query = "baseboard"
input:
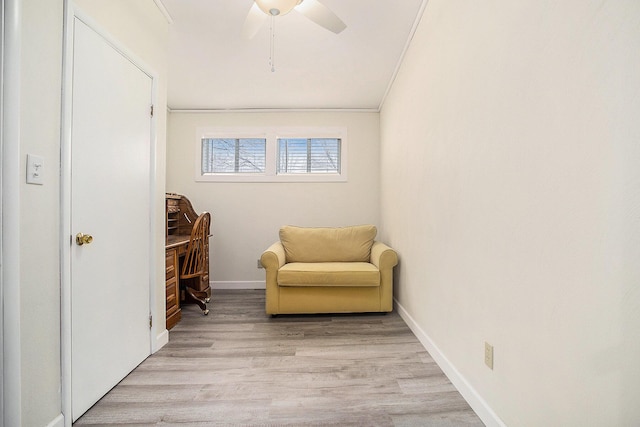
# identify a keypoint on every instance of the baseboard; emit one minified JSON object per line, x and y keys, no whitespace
{"x":238,"y":285}
{"x":161,"y":340}
{"x":477,"y":403}
{"x":57,"y":421}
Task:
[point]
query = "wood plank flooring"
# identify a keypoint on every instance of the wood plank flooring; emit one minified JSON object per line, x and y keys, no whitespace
{"x":238,"y":366}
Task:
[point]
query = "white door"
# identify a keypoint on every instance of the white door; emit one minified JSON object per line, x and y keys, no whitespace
{"x":110,"y":200}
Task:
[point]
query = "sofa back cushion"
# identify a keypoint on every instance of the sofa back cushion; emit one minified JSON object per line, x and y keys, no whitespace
{"x":328,"y":244}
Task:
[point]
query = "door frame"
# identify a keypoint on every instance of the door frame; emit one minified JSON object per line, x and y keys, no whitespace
{"x":158,"y":328}
{"x":10,"y":194}
{"x":1,"y":208}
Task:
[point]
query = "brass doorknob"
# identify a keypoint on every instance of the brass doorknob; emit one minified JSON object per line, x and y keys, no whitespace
{"x":82,"y":239}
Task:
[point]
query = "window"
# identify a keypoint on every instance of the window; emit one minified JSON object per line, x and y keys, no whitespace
{"x":228,"y":155}
{"x":283,"y":154}
{"x":313,"y":155}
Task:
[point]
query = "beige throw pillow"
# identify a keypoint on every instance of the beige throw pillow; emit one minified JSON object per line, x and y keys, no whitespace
{"x":328,"y":244}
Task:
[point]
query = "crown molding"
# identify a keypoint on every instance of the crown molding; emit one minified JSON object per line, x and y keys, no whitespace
{"x":271,"y":110}
{"x":164,"y":11}
{"x":404,"y":52}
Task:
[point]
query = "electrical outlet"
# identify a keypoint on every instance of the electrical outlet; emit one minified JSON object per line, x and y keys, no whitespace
{"x":488,"y":355}
{"x":260,"y":264}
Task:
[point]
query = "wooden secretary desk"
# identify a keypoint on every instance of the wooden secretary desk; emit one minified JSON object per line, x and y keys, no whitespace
{"x":187,"y":257}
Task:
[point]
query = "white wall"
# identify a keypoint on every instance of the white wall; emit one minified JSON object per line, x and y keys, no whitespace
{"x":247,"y":216}
{"x":41,"y":80}
{"x":142,"y":28}
{"x":510,"y":187}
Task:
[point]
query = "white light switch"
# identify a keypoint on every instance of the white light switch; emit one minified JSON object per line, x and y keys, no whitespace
{"x":35,"y":169}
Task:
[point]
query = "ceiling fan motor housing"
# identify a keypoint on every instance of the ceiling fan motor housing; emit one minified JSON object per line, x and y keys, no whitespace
{"x":277,"y":7}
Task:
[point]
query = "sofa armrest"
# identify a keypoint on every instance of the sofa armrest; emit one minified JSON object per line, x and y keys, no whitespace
{"x":382,"y":256}
{"x":273,"y":257}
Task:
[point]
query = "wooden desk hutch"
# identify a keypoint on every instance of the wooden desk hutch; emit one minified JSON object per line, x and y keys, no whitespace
{"x":180,"y":220}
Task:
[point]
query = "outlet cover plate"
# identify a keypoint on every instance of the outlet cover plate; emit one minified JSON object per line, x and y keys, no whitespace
{"x":488,"y":355}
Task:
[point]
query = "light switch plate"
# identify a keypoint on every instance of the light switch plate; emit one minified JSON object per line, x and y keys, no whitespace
{"x":35,"y":169}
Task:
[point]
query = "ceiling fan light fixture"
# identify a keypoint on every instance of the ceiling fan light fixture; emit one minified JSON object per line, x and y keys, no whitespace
{"x":277,"y":7}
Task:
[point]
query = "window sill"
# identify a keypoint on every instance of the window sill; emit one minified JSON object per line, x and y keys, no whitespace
{"x":317,"y":177}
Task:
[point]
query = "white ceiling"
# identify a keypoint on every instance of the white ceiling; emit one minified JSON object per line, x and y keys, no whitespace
{"x":212,"y":67}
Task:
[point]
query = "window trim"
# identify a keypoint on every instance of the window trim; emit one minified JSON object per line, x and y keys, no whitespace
{"x":272,"y":134}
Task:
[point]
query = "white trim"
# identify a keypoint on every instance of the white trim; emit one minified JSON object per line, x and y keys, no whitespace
{"x":270,"y":110}
{"x":404,"y":52}
{"x":11,"y":180}
{"x":163,"y":338}
{"x":57,"y":421}
{"x":1,"y":208}
{"x":260,"y":284}
{"x":65,"y":212}
{"x":158,"y":335}
{"x":255,"y":178}
{"x":477,"y":403}
{"x":164,"y":11}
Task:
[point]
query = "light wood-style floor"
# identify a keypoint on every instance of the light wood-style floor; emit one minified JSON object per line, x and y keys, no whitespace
{"x":238,"y":366}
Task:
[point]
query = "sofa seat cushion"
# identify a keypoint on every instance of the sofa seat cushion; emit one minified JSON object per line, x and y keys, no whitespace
{"x":329,"y":274}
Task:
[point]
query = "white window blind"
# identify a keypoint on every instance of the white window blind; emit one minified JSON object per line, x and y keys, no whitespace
{"x":233,"y":155}
{"x":271,"y":154}
{"x":308,"y":155}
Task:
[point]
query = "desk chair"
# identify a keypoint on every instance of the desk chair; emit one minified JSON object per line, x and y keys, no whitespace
{"x":194,"y":274}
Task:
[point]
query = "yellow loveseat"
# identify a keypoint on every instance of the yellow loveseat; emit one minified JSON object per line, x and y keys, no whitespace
{"x":329,"y":270}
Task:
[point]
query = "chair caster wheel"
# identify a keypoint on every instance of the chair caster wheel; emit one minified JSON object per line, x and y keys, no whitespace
{"x":205,"y":312}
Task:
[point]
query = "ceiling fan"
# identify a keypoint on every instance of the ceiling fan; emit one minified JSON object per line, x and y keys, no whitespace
{"x":312,"y":9}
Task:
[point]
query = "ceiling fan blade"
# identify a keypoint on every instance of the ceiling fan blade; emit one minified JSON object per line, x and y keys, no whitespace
{"x":253,"y":22}
{"x":321,"y":15}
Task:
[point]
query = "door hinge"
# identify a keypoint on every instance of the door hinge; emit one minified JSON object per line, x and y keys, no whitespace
{"x":150,"y":321}
{"x":151,"y":110}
